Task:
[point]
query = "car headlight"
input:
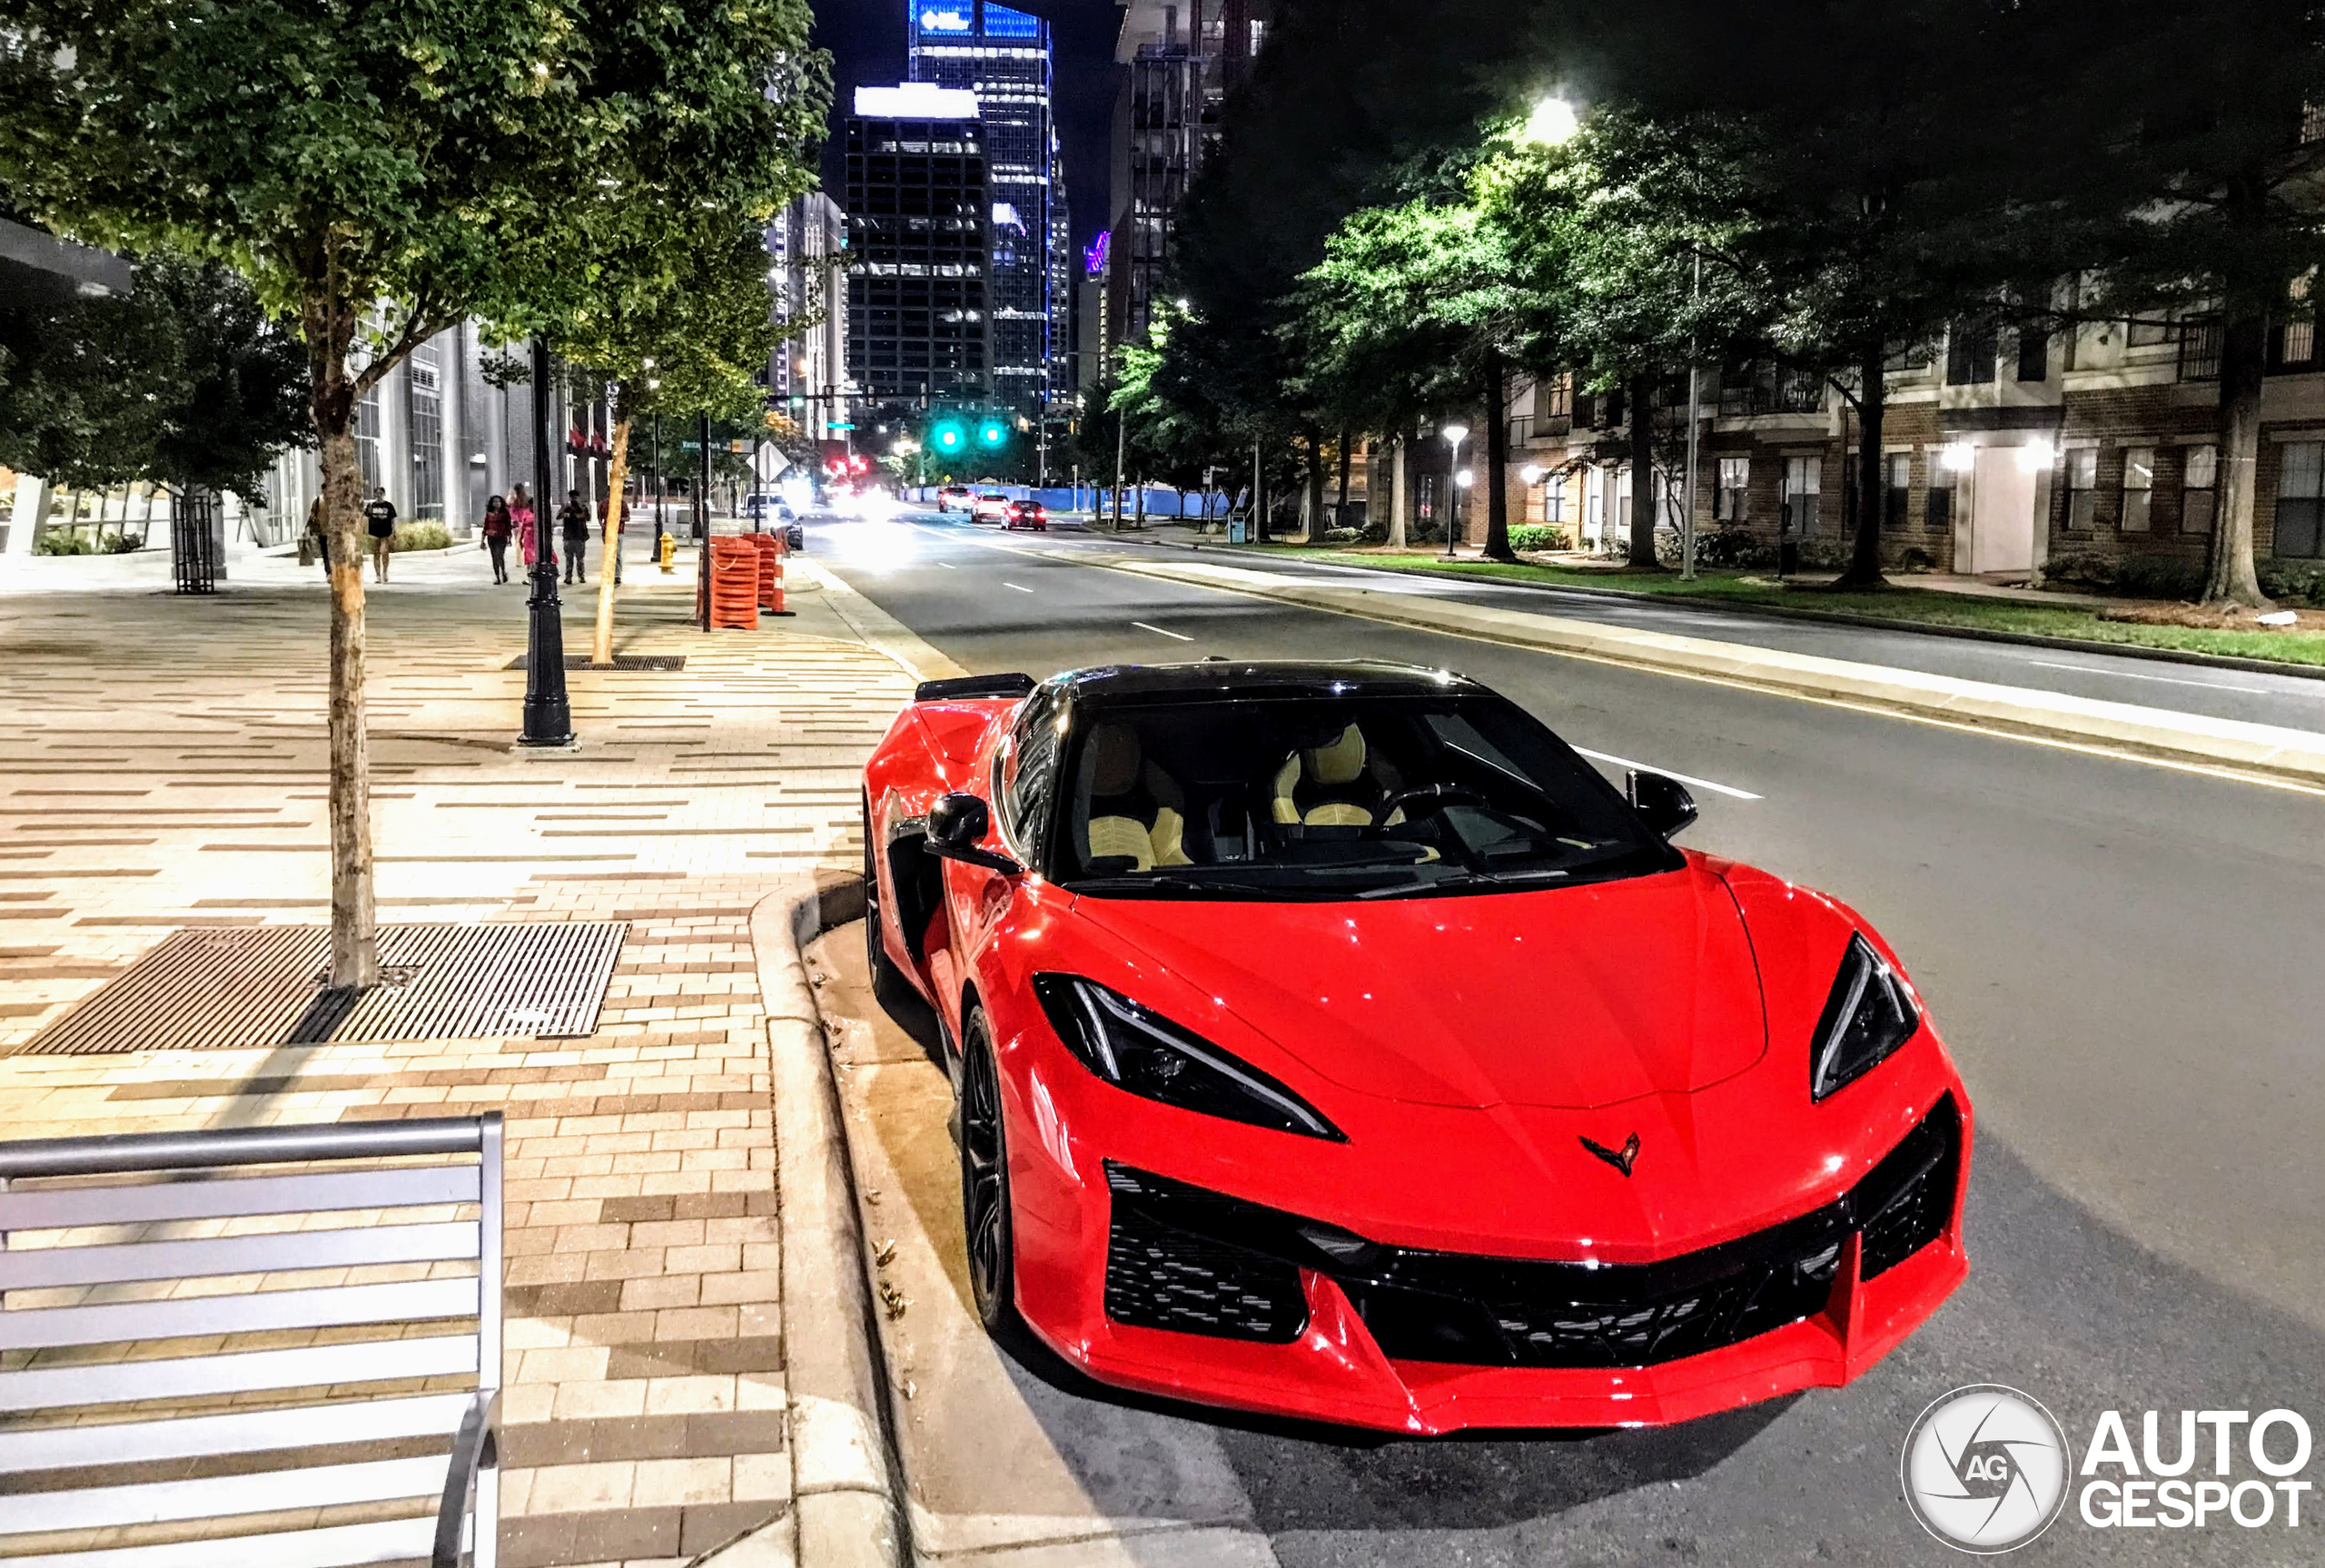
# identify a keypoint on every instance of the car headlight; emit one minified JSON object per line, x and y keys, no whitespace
{"x":1147,"y":1055}
{"x":1866,"y":1018}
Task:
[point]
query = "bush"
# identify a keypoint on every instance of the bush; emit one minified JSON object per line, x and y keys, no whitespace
{"x":1537,"y":536}
{"x":421,"y":537}
{"x":1343,"y":536}
{"x":63,"y":542}
{"x":122,"y":544}
{"x":2294,"y":582}
{"x":1728,"y":547}
{"x":1913,"y":558}
{"x":2134,"y":576}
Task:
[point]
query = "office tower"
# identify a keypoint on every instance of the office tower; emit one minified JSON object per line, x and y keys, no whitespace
{"x":1003,"y":57}
{"x":1180,"y":63}
{"x":807,"y":249}
{"x":917,"y":205}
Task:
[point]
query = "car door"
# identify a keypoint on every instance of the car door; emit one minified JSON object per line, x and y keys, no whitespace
{"x":1019,"y":781}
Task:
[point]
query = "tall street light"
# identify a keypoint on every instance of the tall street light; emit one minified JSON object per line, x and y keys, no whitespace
{"x":549,"y":717}
{"x":1553,"y":121}
{"x":1454,"y":436}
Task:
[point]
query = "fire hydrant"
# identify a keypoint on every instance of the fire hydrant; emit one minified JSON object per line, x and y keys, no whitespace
{"x":670,"y":551}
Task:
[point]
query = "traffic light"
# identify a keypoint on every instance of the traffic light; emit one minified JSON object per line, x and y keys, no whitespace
{"x":992,"y":433}
{"x":948,"y":436}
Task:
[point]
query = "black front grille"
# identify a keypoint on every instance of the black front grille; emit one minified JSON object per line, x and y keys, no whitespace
{"x":1161,"y":1277}
{"x":1181,"y":1258}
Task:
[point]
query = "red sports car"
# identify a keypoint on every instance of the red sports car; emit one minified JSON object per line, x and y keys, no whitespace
{"x":1331,"y":1040}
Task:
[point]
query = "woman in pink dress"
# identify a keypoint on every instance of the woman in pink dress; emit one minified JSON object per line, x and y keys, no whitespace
{"x":520,"y":516}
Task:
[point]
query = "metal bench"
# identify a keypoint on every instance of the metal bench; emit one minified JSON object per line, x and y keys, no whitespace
{"x":119,"y":1449}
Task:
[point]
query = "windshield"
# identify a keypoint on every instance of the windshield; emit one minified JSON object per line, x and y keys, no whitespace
{"x":1338,"y":798}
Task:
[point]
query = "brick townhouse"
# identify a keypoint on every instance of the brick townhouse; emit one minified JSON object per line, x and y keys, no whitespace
{"x":2002,"y":454}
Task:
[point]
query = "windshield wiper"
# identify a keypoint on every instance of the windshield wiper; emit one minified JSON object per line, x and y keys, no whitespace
{"x":1167,"y":884}
{"x":1469,"y":880}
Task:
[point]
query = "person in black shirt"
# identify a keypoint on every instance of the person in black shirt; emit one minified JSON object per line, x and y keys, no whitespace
{"x":573,"y":522}
{"x":379,"y":516}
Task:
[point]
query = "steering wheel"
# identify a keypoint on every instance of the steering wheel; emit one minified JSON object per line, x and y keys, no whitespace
{"x":1430,"y":799}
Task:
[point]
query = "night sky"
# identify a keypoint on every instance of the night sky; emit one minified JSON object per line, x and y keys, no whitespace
{"x":866,"y":39}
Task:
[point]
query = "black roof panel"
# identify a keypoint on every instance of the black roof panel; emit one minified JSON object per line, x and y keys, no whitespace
{"x":1230,"y":679}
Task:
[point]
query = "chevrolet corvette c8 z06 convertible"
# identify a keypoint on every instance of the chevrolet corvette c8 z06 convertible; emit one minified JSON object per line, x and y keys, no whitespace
{"x":1331,"y":1040}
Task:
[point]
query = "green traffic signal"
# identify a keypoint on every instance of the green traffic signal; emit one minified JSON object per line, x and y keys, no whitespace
{"x":994,"y":436}
{"x":949,"y":436}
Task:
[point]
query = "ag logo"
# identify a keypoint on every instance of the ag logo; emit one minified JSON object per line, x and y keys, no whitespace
{"x":1985,"y":1469}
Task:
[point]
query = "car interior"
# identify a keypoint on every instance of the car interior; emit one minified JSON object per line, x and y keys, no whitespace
{"x":1346,"y":794}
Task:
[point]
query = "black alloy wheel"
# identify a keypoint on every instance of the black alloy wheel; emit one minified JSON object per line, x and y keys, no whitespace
{"x":984,"y":1179}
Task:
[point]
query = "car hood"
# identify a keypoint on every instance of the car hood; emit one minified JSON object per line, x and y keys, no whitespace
{"x":1572,"y":998}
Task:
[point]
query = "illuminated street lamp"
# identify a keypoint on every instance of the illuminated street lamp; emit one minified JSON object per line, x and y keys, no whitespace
{"x":1454,"y":436}
{"x":1552,"y":122}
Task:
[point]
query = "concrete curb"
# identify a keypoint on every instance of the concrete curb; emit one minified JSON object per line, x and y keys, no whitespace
{"x":845,"y":1510}
{"x":1819,"y":617}
{"x":2267,"y":749}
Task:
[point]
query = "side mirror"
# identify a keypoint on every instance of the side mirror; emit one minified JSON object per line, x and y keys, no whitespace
{"x":1665,"y":803}
{"x":957,"y":827}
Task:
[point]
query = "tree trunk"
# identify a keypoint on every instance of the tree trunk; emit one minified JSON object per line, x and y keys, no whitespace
{"x":1498,"y":462}
{"x":2234,"y":580}
{"x":354,"y":914}
{"x":1872,"y":487}
{"x":1400,"y":503}
{"x":601,"y":645}
{"x":1348,"y":458}
{"x":1314,"y":503}
{"x":1642,"y":411}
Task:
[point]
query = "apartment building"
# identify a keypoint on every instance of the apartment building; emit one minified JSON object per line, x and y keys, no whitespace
{"x":919,"y":303}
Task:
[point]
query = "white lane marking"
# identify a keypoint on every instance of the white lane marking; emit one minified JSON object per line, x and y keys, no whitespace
{"x":1022,"y":590}
{"x":1649,"y":767}
{"x":2134,"y":675}
{"x":948,"y":566}
{"x":1158,"y":631}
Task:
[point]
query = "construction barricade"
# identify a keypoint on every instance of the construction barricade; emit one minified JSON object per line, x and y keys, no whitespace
{"x":771,"y":554}
{"x":733,"y":586}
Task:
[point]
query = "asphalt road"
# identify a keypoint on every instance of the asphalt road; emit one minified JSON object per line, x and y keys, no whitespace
{"x":2123,"y":958}
{"x":2295,"y":701}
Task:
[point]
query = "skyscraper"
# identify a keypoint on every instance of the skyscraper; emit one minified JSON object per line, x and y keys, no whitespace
{"x":807,"y":249}
{"x":917,"y":205}
{"x":1181,"y":59}
{"x":1004,"y":56}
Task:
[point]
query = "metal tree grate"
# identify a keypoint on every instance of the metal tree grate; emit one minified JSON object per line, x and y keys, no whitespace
{"x":622,"y":662}
{"x":263,"y":986}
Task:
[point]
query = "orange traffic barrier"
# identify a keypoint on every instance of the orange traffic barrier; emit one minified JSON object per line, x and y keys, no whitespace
{"x":733,"y":586}
{"x":771,"y":554}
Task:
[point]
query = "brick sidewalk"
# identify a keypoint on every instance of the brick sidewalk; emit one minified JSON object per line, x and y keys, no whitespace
{"x":162,"y":768}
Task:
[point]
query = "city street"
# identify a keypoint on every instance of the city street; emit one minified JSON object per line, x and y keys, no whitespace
{"x":2118,"y":954}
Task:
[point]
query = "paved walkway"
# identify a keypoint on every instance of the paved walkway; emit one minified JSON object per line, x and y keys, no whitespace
{"x":161,"y":767}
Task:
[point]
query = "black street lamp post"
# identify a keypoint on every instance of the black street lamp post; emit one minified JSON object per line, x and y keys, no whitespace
{"x":549,"y":717}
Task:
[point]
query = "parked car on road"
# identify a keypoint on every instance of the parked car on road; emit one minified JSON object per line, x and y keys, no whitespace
{"x":1620,"y":1135}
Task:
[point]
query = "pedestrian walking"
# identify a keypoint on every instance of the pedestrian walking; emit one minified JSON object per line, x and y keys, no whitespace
{"x":379,"y":516}
{"x":497,"y":527}
{"x":319,"y":535}
{"x":522,"y":518}
{"x":573,"y":522}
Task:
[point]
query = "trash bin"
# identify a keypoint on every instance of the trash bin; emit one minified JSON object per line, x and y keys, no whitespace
{"x":1238,"y":531}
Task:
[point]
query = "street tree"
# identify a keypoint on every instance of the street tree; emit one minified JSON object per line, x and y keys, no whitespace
{"x":184,"y":382}
{"x":380,"y":171}
{"x":1408,"y":298}
{"x":2199,"y":200}
{"x":1882,"y":169}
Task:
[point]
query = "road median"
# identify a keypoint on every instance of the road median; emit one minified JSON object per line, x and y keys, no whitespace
{"x":2268,"y":750}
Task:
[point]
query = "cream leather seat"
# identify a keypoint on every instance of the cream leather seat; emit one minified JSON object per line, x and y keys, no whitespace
{"x":1136,"y":811}
{"x":1336,"y":784}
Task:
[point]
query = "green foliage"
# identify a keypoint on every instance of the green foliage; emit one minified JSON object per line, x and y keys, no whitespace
{"x":64,"y":542}
{"x":419,"y":536}
{"x":2294,"y":582}
{"x":185,"y":381}
{"x":1536,"y":537}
